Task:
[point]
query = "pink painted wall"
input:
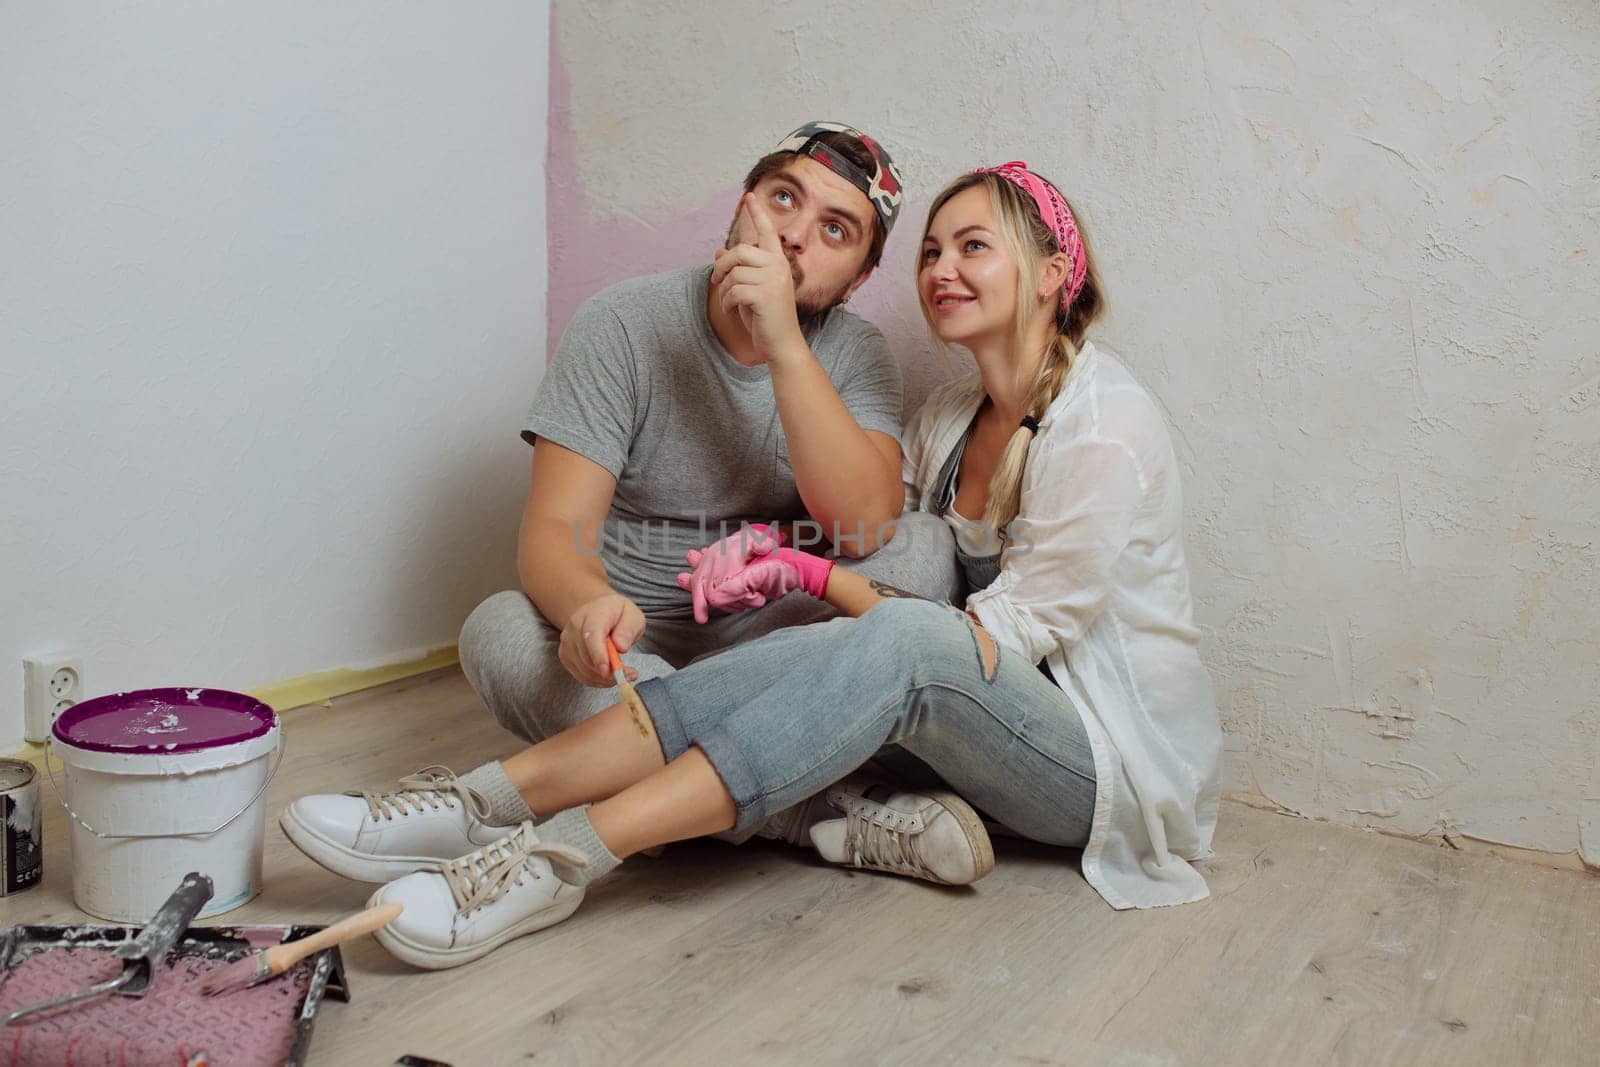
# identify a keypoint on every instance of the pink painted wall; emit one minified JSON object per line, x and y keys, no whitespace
{"x":594,"y":243}
{"x":590,"y":249}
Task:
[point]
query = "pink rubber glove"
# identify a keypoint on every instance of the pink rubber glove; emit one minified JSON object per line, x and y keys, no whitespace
{"x":763,"y":579}
{"x":720,"y":560}
{"x":812,"y":570}
{"x":768,"y":578}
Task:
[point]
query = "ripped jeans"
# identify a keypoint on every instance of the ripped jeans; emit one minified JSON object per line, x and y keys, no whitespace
{"x":785,"y":716}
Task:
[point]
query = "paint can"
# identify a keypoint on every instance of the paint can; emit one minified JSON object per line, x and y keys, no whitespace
{"x":22,"y":846}
{"x":159,"y":782}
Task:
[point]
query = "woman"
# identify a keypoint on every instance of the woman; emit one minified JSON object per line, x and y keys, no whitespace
{"x":1068,"y":702}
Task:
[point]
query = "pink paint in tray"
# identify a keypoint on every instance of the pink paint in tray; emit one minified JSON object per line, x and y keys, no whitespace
{"x":172,"y":1025}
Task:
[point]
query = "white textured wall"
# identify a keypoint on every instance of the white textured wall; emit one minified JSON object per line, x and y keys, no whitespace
{"x":1353,"y":247}
{"x":272,"y":304}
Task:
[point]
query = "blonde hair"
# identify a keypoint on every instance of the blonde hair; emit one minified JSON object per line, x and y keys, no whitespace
{"x":1030,"y":243}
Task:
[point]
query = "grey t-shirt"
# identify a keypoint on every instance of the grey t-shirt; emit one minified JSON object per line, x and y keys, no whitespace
{"x":641,"y":386}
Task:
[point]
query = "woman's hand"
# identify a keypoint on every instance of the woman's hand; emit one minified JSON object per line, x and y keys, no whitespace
{"x":752,"y":583}
{"x":721,"y":560}
{"x":763,"y":580}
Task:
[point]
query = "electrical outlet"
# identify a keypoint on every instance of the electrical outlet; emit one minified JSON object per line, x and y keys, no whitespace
{"x":50,"y":685}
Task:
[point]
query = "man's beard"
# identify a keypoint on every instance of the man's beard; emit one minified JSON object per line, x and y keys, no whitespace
{"x":812,"y":311}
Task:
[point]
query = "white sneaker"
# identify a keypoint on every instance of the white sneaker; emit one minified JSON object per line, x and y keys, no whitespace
{"x":933,"y":835}
{"x":377,"y":837}
{"x":793,"y":824}
{"x":479,"y":902}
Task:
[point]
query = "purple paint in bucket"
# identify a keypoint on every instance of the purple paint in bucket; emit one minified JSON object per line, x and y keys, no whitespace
{"x":159,"y":782}
{"x":164,"y":720}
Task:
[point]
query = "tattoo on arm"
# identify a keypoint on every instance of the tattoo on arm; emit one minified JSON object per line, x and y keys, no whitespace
{"x":889,"y":592}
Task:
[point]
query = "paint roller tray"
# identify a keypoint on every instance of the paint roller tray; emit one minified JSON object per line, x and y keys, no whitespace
{"x":267,"y":1024}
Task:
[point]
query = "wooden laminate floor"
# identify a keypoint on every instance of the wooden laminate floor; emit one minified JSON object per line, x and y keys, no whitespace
{"x":1319,"y":945}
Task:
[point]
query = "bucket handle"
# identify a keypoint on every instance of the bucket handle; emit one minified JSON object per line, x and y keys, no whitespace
{"x":61,"y":798}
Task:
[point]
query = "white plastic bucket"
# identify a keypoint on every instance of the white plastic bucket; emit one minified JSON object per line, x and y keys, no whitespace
{"x":141,"y":819}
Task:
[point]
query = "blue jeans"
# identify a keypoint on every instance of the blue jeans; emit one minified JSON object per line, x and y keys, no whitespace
{"x":786,"y":716}
{"x":510,"y":653}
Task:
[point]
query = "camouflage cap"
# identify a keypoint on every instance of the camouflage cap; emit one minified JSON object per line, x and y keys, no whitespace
{"x":882,"y":186}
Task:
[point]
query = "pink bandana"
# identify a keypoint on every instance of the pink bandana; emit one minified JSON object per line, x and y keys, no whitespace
{"x":1053,"y":210}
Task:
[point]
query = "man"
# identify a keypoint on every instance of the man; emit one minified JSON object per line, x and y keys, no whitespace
{"x":679,"y":407}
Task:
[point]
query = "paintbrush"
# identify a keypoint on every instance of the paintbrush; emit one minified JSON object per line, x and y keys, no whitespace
{"x":641,"y":718}
{"x":266,"y":963}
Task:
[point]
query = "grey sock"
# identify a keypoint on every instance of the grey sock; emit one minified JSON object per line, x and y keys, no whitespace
{"x":506,"y":806}
{"x":572,"y":827}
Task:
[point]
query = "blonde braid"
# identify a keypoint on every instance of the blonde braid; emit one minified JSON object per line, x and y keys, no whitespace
{"x":1005,"y":485}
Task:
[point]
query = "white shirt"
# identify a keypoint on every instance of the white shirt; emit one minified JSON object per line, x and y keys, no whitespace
{"x":1094,"y":582}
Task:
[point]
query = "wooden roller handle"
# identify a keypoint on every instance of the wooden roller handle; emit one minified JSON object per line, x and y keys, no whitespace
{"x":281,"y":957}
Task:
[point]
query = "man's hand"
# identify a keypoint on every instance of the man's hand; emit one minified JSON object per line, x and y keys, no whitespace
{"x":757,"y":281}
{"x":583,"y":641}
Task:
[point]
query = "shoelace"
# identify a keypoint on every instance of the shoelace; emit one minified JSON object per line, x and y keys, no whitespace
{"x":882,"y":848}
{"x":484,"y":876}
{"x":429,"y":788}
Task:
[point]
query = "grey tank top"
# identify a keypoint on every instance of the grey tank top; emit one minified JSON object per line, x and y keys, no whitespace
{"x":979,"y":572}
